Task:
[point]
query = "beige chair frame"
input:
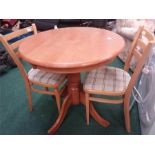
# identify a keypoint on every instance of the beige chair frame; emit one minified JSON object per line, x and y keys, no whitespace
{"x":141,"y":58}
{"x":28,"y":83}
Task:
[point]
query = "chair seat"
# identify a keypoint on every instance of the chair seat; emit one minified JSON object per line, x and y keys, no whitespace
{"x":107,"y":79}
{"x":44,"y":77}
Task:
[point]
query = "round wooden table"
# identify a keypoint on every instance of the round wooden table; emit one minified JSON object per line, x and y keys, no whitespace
{"x":71,"y":51}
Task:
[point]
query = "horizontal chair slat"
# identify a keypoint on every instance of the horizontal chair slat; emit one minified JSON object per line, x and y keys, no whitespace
{"x":148,"y":35}
{"x":137,"y":54}
{"x":18,"y":33}
{"x":106,"y":100}
{"x":42,"y":91}
{"x":16,"y":44}
{"x":141,"y":44}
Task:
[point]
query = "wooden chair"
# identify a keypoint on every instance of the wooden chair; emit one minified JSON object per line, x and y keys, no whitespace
{"x":34,"y":76}
{"x":111,"y":81}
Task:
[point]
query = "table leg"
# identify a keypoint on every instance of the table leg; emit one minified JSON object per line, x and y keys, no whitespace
{"x":65,"y":106}
{"x":97,"y":117}
{"x":75,"y":95}
{"x":74,"y":84}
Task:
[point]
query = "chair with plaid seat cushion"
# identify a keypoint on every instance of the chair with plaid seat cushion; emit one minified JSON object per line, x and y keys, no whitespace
{"x":34,"y":76}
{"x":116,"y":82}
{"x":43,"y":77}
{"x":107,"y":79}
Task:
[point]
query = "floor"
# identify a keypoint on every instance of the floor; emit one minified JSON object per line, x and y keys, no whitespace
{"x":15,"y":118}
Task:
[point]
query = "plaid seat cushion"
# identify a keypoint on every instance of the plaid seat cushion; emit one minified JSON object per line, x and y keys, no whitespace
{"x":107,"y":79}
{"x":37,"y":75}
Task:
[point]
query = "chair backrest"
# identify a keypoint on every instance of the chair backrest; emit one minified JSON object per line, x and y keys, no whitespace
{"x":140,"y":50}
{"x":11,"y":43}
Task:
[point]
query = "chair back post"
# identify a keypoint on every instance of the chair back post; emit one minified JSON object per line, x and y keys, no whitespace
{"x":138,"y":70}
{"x":13,"y":56}
{"x":141,"y":57}
{"x":127,"y":63}
{"x":34,"y":28}
{"x":11,"y":47}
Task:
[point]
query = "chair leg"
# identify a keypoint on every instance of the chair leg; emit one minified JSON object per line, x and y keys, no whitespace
{"x":28,"y":89}
{"x":87,"y":108}
{"x":127,"y":115}
{"x":58,"y":102}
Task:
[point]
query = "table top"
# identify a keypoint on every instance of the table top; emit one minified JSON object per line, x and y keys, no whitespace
{"x":71,"y":49}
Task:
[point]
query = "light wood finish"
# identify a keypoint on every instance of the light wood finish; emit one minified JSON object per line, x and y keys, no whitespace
{"x":70,"y":51}
{"x":11,"y":48}
{"x":141,"y":57}
{"x":105,"y":100}
{"x":65,"y":106}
